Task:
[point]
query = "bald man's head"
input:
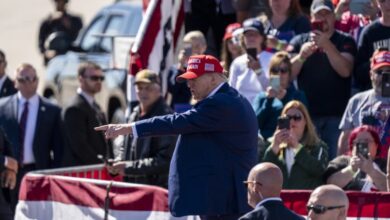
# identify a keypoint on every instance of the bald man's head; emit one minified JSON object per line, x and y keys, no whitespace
{"x":331,"y":200}
{"x":264,"y":180}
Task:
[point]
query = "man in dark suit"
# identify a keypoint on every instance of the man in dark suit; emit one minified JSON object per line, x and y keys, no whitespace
{"x":81,"y":116}
{"x":8,"y":170}
{"x":32,"y":125}
{"x":7,"y":86}
{"x":264,"y":184}
{"x":216,"y":147}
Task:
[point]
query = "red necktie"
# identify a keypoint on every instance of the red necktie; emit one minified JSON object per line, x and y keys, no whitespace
{"x":22,"y":131}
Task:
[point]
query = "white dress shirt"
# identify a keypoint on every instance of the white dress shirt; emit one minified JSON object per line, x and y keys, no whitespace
{"x":89,"y":98}
{"x":33,"y":105}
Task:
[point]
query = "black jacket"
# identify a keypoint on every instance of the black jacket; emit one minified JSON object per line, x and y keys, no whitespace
{"x":150,"y":156}
{"x":8,"y":88}
{"x":271,"y":210}
{"x":83,"y":143}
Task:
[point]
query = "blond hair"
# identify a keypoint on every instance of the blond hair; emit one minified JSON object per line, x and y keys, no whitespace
{"x":310,"y":137}
{"x":195,"y":35}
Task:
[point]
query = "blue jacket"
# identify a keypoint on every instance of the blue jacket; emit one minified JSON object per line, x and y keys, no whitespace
{"x":214,"y":153}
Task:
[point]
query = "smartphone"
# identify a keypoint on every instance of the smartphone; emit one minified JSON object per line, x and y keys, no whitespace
{"x":187,"y":50}
{"x":252,"y":52}
{"x":317,"y":25}
{"x":386,"y":84}
{"x":362,"y":149}
{"x":283,"y":123}
{"x":274,"y":82}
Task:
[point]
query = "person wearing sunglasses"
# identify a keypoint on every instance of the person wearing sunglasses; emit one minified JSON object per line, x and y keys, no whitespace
{"x":371,"y":107}
{"x":297,"y":150}
{"x":81,"y":116}
{"x":358,"y":170}
{"x":269,"y":104}
{"x":264,"y":185}
{"x":32,"y":125}
{"x":327,"y":202}
{"x":7,"y":86}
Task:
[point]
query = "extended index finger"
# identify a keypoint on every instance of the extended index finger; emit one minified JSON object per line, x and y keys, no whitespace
{"x":101,"y":128}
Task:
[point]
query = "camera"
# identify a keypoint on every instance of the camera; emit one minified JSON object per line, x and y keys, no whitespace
{"x":283,"y":123}
{"x":386,"y":84}
{"x":252,"y":52}
{"x":362,"y":149}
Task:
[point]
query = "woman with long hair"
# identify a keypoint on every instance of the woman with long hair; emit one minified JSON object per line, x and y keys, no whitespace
{"x":297,"y":149}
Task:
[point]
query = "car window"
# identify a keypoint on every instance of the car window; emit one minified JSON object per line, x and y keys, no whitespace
{"x":90,"y":41}
{"x":135,"y":21}
{"x":114,"y":25}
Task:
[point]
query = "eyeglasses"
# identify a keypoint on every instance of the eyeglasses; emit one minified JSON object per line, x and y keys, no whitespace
{"x":95,"y":78}
{"x":279,"y":70}
{"x":320,"y":209}
{"x":294,"y":117}
{"x":381,"y":72}
{"x":253,"y":182}
{"x":24,"y":79}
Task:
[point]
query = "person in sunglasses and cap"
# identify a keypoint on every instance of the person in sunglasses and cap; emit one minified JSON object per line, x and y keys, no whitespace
{"x":32,"y":124}
{"x":83,"y":144}
{"x":327,"y":202}
{"x":371,"y":107}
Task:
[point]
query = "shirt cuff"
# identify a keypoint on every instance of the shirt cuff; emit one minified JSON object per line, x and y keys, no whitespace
{"x":134,"y":129}
{"x":5,"y":161}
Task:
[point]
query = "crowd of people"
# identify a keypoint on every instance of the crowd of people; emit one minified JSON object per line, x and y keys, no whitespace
{"x":299,"y":99}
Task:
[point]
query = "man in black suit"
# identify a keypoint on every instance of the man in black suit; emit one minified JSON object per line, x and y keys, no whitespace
{"x":8,"y":170}
{"x":264,"y":183}
{"x":84,"y":144}
{"x":31,"y":123}
{"x":6,"y":84}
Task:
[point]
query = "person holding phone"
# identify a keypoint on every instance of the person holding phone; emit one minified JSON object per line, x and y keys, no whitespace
{"x":179,"y":96}
{"x":358,"y":170}
{"x":269,"y":104}
{"x":249,"y":72}
{"x":323,"y":66}
{"x":297,"y":150}
{"x":371,"y":107}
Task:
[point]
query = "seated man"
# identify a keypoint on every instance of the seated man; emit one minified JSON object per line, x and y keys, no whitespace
{"x":146,"y":160}
{"x":327,"y":202}
{"x":264,"y":183}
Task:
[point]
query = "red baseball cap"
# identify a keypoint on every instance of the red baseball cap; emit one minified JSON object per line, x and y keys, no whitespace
{"x":380,"y":59}
{"x":199,"y":65}
{"x":230,"y":29}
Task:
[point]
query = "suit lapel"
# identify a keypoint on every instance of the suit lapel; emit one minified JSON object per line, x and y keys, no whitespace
{"x":41,"y":111}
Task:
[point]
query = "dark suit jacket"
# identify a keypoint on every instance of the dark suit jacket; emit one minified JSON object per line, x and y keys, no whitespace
{"x":83,"y":143}
{"x":271,"y":210}
{"x":8,"y":88}
{"x":5,"y":150}
{"x":214,"y":153}
{"x":48,"y":134}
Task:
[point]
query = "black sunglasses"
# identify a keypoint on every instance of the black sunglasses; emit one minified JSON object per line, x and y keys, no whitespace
{"x":381,"y":72}
{"x":320,"y":209}
{"x":95,"y":78}
{"x":294,"y":117}
{"x":279,"y":70}
{"x":24,"y":79}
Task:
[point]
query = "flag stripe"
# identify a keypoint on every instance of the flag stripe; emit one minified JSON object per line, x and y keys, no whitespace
{"x":81,"y":192}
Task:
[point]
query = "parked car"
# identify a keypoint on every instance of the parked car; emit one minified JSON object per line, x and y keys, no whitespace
{"x":105,"y":41}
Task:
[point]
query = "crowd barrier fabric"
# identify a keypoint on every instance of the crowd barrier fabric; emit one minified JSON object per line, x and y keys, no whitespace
{"x":62,"y":196}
